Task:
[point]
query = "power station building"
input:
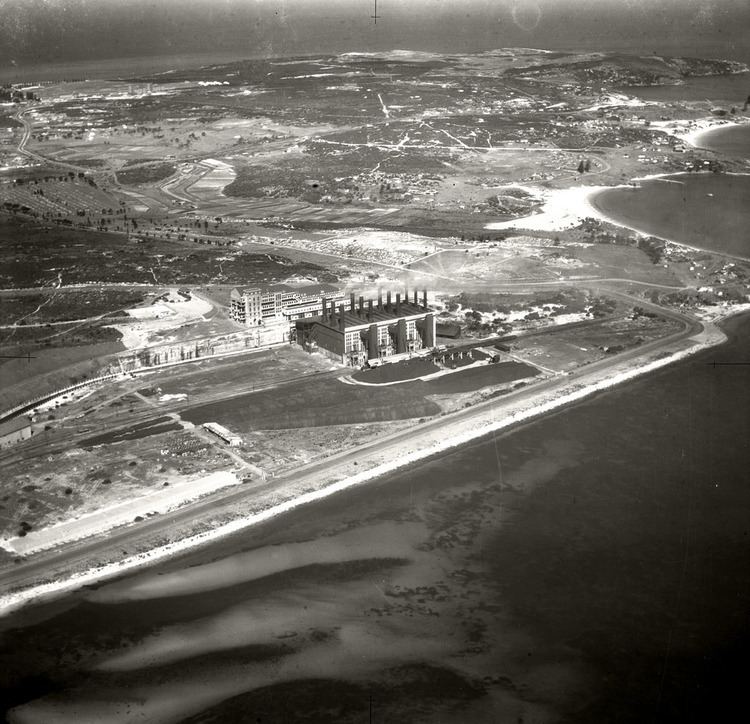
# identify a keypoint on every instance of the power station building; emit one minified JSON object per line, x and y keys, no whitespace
{"x":358,"y":333}
{"x":253,"y":307}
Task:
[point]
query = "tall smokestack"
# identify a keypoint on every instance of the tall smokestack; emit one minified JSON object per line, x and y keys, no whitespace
{"x":369,"y":309}
{"x":398,"y":303}
{"x":415,"y":298}
{"x":351,"y":302}
{"x":361,"y":306}
{"x":342,"y":321}
{"x":380,"y":300}
{"x":424,"y":298}
{"x":388,"y":300}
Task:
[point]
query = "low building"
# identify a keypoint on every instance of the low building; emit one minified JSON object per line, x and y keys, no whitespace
{"x":356,"y":334}
{"x":254,"y":307}
{"x":223,"y":434}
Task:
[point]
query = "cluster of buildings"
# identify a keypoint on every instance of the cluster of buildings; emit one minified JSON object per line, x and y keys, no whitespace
{"x":254,"y":308}
{"x":358,"y":333}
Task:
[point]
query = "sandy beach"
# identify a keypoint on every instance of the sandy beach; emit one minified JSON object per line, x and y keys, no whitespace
{"x":698,"y":132}
{"x":432,"y":438}
{"x":562,"y":208}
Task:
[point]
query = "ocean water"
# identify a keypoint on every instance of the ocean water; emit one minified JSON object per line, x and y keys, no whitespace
{"x":733,"y":89}
{"x":731,"y":140}
{"x":591,"y":566}
{"x":706,"y":210}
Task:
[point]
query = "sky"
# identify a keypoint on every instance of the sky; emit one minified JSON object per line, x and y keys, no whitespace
{"x":53,"y":31}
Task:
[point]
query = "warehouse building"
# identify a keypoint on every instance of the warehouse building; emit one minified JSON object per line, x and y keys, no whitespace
{"x":356,"y":334}
{"x":254,"y":307}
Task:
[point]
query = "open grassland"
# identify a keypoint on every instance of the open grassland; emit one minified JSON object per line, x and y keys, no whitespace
{"x":211,"y":377}
{"x":314,"y":403}
{"x":325,"y":402}
{"x":477,"y":378}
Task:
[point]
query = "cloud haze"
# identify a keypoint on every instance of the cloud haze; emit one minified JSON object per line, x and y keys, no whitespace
{"x":58,"y":30}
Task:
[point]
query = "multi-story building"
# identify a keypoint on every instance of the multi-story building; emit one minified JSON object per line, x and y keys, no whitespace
{"x":253,"y":307}
{"x":363,"y":333}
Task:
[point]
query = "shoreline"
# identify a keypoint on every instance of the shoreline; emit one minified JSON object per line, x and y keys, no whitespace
{"x":603,"y":216}
{"x":452,"y":434}
{"x":564,"y":208}
{"x":698,"y":135}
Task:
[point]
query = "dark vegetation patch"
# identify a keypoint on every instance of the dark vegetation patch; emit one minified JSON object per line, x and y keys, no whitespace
{"x":145,"y":173}
{"x":51,"y":305}
{"x":32,"y":255}
{"x":8,"y":121}
{"x":571,"y":300}
{"x":32,"y":338}
{"x":135,"y":432}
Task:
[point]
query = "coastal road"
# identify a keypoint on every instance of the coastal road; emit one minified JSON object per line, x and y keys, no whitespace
{"x":59,"y":562}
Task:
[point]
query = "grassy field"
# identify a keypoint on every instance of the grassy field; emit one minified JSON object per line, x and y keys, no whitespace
{"x":406,"y":370}
{"x":312,"y":404}
{"x":325,"y":402}
{"x":475,"y":378}
{"x":203,"y":379}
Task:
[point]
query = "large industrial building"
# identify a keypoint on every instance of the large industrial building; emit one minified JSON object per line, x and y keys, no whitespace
{"x":369,"y":331}
{"x":253,"y":307}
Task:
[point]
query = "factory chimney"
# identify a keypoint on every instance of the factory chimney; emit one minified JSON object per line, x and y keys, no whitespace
{"x":398,"y":303}
{"x":388,"y":301}
{"x":424,"y":298}
{"x":342,"y":321}
{"x":361,"y":306}
{"x":351,"y":302}
{"x":380,"y":300}
{"x":369,"y":309}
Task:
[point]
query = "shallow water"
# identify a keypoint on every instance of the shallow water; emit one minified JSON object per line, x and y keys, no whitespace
{"x":592,"y":566}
